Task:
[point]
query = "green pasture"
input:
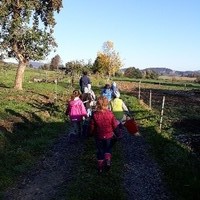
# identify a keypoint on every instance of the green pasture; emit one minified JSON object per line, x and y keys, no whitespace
{"x":31,"y":120}
{"x":165,"y":82}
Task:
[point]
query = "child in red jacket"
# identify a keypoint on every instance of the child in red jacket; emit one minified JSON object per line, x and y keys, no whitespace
{"x":102,"y":125}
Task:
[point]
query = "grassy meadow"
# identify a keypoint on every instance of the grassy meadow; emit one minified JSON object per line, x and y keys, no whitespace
{"x":31,"y":120}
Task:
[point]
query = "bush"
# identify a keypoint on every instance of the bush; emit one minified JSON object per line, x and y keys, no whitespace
{"x":197,"y":79}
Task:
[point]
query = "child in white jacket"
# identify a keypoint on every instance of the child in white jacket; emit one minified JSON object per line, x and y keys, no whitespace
{"x":89,"y":99}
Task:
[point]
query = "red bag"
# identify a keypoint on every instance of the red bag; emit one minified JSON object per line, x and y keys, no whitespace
{"x":131,"y":126}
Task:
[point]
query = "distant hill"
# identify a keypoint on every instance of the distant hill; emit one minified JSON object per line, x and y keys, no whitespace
{"x":169,"y":72}
{"x":36,"y":64}
{"x":161,"y":71}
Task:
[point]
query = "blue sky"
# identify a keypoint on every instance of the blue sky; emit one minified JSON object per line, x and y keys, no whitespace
{"x":146,"y":33}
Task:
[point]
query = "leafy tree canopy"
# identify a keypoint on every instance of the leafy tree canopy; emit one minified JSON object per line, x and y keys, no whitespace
{"x":151,"y":74}
{"x":55,"y":62}
{"x":132,"y":72}
{"x":108,"y":61}
{"x":74,"y":67}
{"x":27,"y":30}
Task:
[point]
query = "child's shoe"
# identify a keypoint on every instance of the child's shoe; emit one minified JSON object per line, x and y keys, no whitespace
{"x":107,"y":161}
{"x":100,"y":171}
{"x":107,"y":165}
{"x":100,"y":166}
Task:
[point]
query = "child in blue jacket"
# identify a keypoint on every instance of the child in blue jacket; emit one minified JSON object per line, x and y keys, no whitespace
{"x":107,"y":92}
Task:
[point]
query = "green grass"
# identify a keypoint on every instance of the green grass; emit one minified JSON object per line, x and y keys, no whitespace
{"x":180,"y":166}
{"x":31,"y":119}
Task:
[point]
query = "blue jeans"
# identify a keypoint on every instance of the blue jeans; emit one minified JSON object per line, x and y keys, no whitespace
{"x":103,"y":146}
{"x":75,"y":128}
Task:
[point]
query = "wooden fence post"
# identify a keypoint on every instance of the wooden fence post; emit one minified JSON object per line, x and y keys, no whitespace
{"x":150,"y":99}
{"x":139,"y":90}
{"x":162,"y":111}
{"x":46,"y":77}
{"x":56,"y":89}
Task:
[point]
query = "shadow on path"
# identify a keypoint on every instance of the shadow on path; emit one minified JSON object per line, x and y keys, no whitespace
{"x":52,"y":173}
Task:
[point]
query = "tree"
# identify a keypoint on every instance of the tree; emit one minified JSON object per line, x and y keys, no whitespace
{"x":26,"y":31}
{"x":151,"y":74}
{"x":100,"y":64}
{"x":107,"y":61}
{"x":197,"y":80}
{"x":44,"y":67}
{"x":112,"y":58}
{"x":89,"y":65}
{"x":132,"y":72}
{"x":74,"y":68}
{"x":55,"y":62}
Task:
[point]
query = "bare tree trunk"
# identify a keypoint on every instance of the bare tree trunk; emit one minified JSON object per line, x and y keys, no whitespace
{"x":20,"y":75}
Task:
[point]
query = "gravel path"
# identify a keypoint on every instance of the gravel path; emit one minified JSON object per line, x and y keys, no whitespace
{"x":142,"y":177}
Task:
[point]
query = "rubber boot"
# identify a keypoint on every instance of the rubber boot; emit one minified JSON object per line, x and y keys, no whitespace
{"x":107,"y":160}
{"x":100,"y":166}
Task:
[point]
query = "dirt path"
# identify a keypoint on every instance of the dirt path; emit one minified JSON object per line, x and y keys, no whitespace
{"x":142,"y":177}
{"x":53,"y":172}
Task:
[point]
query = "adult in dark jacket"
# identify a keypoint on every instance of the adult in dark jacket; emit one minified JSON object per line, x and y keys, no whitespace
{"x":84,"y":81}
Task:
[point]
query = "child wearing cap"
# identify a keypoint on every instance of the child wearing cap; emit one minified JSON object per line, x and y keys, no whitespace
{"x":118,"y":108}
{"x":114,"y":88}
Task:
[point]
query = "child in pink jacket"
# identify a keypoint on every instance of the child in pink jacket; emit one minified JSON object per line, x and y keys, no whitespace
{"x":76,"y":111}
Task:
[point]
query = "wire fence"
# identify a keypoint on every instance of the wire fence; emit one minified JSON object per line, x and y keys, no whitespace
{"x":179,"y":111}
{"x":176,"y":107}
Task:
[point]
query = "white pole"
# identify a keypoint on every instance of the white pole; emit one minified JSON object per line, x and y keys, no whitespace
{"x":56,"y":83}
{"x":162,"y":110}
{"x":139,"y":90}
{"x":150,"y":99}
{"x":46,"y":77}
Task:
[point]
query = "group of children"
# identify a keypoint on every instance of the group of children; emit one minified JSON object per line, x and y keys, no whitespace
{"x":104,"y":115}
